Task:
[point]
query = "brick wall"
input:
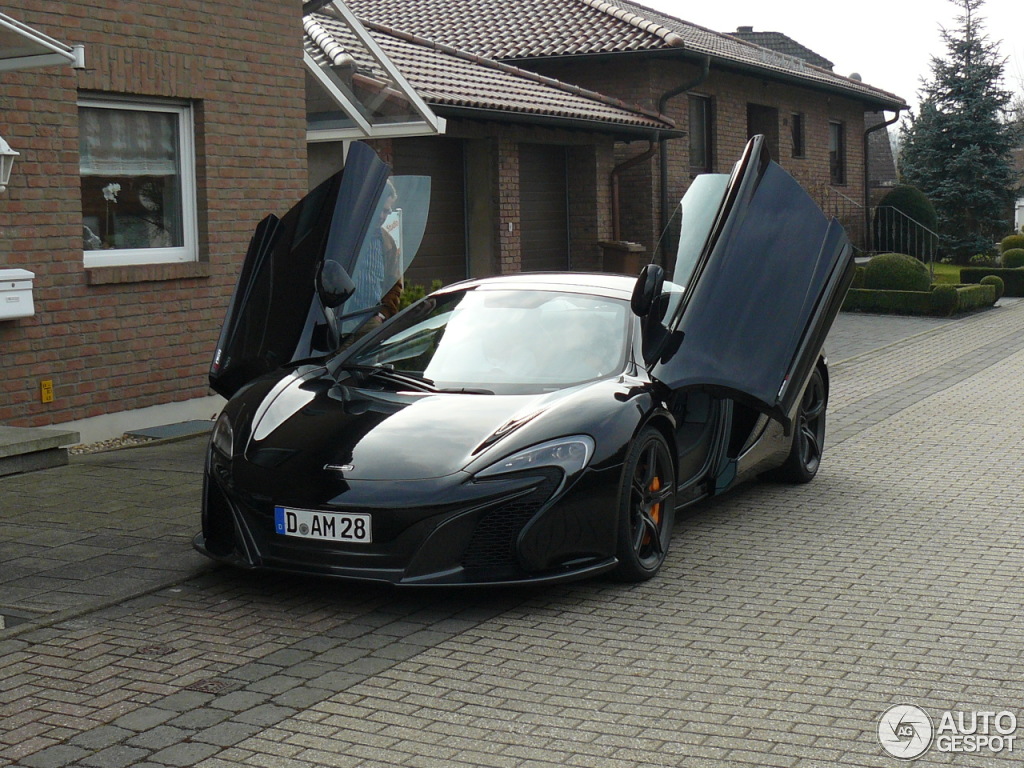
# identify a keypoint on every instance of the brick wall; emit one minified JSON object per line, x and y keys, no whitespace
{"x":119,"y":338}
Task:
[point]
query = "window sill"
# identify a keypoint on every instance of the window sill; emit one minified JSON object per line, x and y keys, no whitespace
{"x":142,"y":273}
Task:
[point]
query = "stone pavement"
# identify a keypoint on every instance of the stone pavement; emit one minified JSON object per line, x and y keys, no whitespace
{"x":785,"y":622}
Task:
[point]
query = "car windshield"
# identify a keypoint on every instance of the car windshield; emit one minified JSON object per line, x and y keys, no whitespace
{"x":505,"y":341}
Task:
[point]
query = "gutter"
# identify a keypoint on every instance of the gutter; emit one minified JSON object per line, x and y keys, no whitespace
{"x":867,"y":169}
{"x":663,"y":153}
{"x":625,"y":130}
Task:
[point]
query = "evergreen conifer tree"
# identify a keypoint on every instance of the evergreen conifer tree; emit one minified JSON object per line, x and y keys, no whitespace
{"x":957,"y":149}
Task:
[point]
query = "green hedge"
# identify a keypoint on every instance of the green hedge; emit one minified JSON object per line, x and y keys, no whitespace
{"x":946,"y":300}
{"x":1013,"y":279}
{"x":976,"y":296}
{"x":888,"y":302}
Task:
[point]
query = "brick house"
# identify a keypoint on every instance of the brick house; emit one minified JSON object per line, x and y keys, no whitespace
{"x":521,"y":176}
{"x":719,"y":88}
{"x":139,"y":180}
{"x":881,"y":165}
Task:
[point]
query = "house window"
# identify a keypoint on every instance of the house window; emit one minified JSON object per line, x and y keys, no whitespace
{"x":837,"y":152}
{"x":138,"y":182}
{"x":700,"y":134}
{"x":796,"y":128}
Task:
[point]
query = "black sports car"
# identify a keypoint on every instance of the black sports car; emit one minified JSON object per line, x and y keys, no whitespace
{"x":526,"y":428}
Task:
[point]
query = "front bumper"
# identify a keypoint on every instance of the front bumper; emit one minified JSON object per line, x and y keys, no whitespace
{"x":455,"y":531}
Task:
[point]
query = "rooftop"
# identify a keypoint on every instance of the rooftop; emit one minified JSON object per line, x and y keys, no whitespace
{"x":532,"y":29}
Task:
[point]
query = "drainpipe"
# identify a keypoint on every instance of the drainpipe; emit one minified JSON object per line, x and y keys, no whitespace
{"x":618,"y":169}
{"x":867,"y":191}
{"x":663,"y":154}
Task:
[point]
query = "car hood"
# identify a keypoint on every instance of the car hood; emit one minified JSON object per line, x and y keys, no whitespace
{"x":310,"y":423}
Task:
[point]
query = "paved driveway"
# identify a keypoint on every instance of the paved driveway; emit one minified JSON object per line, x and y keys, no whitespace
{"x":785,"y":622}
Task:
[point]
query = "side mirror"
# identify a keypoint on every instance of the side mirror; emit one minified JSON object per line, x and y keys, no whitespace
{"x":333,"y":284}
{"x":648,"y":288}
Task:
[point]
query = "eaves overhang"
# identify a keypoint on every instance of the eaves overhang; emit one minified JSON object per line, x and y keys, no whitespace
{"x":875,"y":99}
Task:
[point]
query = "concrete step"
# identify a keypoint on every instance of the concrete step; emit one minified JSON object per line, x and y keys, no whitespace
{"x":25,"y":449}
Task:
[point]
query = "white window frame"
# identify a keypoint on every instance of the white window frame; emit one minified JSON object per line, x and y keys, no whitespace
{"x":189,"y":250}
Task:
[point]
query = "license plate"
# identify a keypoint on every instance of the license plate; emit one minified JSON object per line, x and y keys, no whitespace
{"x":326,"y":526}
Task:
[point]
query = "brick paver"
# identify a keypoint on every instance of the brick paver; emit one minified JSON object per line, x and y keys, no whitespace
{"x":786,"y":619}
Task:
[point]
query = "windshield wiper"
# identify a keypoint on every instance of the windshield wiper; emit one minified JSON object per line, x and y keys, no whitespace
{"x":410,"y":378}
{"x":387,"y":371}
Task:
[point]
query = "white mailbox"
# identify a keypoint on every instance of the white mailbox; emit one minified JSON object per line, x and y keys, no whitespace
{"x":16,"y":294}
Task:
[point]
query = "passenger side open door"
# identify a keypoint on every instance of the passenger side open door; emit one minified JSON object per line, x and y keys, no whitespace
{"x":763,"y":286}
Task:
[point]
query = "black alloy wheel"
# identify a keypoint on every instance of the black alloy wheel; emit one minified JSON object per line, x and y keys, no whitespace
{"x":646,"y":507}
{"x":809,"y":434}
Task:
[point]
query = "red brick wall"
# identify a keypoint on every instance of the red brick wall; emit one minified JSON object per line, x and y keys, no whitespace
{"x":119,"y":338}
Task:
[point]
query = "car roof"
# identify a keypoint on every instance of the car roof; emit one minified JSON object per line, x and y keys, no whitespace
{"x":595,"y":283}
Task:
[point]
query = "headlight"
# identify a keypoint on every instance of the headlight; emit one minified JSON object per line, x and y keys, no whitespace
{"x":570,"y":454}
{"x":223,"y":439}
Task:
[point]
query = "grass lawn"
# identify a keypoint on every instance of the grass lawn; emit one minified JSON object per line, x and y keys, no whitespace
{"x":947,"y":273}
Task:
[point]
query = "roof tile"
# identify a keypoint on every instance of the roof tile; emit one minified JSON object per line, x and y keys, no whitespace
{"x":445,"y":76}
{"x":524,"y":29}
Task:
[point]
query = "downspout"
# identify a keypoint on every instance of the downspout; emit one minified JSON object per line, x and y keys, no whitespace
{"x":867,"y":174}
{"x":625,"y":165}
{"x":663,"y":154}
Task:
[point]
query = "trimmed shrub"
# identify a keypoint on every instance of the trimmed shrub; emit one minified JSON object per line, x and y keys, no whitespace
{"x":975,"y":297}
{"x":944,"y":300}
{"x":896,"y":272}
{"x":1013,"y":279}
{"x":1011,"y":241}
{"x":858,"y":277}
{"x":887,"y":302}
{"x":1013,"y":258}
{"x":892,"y":232}
{"x":996,"y":282}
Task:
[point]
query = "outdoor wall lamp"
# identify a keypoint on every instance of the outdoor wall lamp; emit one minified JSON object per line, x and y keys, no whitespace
{"x":7,"y":156}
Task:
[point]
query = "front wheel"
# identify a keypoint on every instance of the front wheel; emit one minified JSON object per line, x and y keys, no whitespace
{"x":808,"y":435}
{"x":646,"y":508}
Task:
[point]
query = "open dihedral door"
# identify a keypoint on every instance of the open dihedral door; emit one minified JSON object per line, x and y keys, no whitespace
{"x":279,"y":313}
{"x":764,"y":289}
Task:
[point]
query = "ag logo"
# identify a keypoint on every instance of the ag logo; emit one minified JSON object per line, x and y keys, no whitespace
{"x":905,"y":731}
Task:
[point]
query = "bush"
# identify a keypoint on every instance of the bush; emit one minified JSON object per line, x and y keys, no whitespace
{"x":1013,"y":258}
{"x":858,"y":277}
{"x":896,"y":272}
{"x":1011,"y":241}
{"x":996,"y":282}
{"x":975,"y":296}
{"x":982,"y":260}
{"x":944,"y":300}
{"x":891,"y":230}
{"x":1013,"y":279}
{"x":411,"y":293}
{"x":888,"y":302}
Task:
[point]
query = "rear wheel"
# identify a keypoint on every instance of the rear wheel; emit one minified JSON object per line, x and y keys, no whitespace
{"x":808,"y":435}
{"x":646,"y":508}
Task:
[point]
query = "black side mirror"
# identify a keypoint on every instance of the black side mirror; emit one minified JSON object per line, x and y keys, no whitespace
{"x":333,"y":284}
{"x":647,"y":290}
